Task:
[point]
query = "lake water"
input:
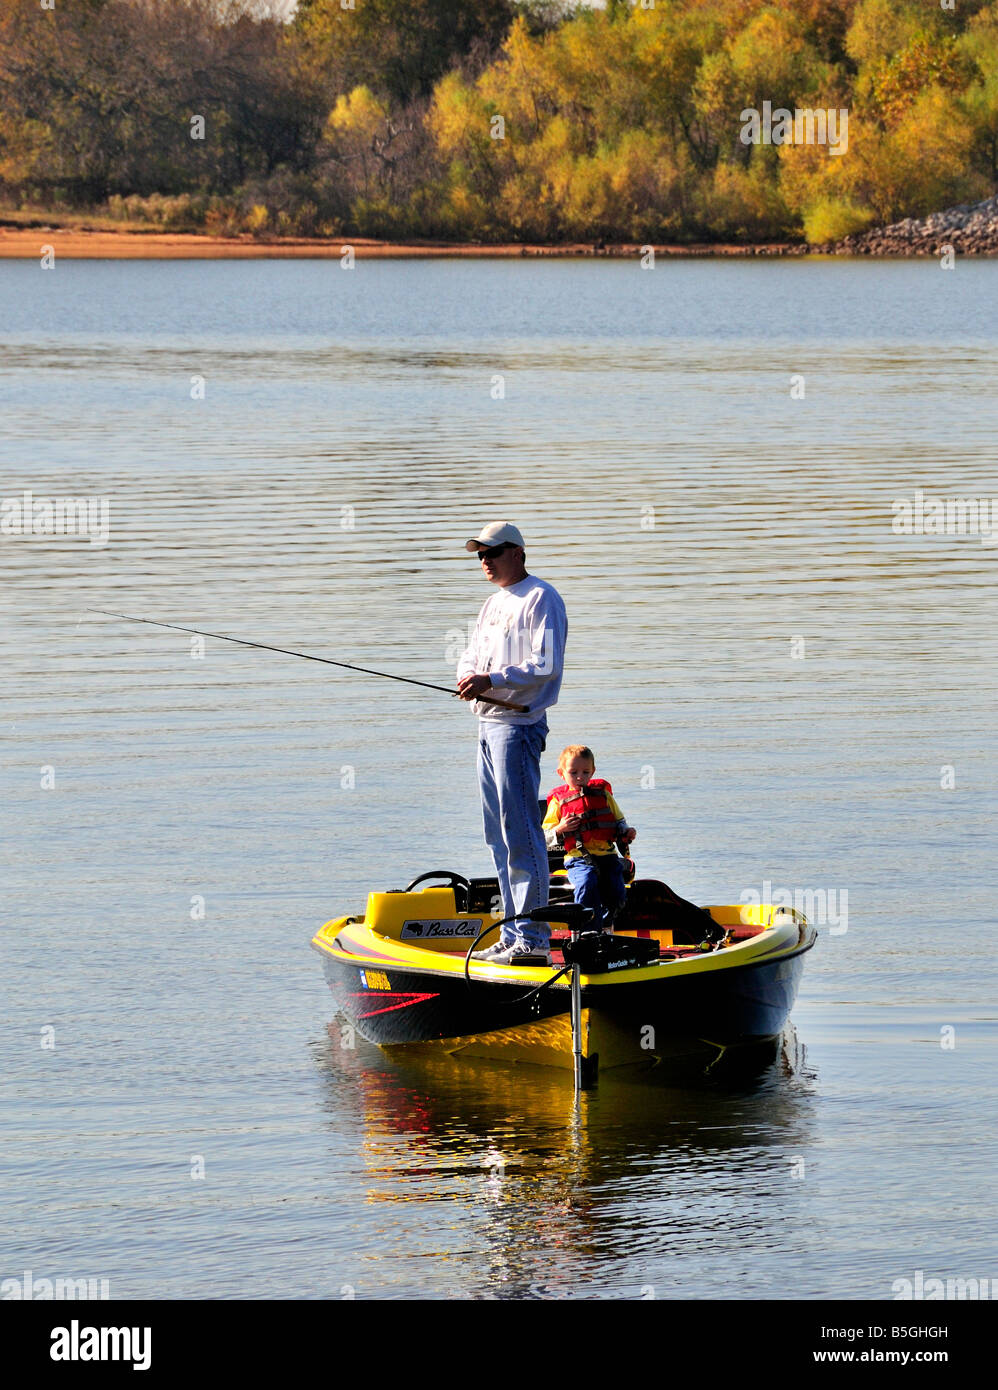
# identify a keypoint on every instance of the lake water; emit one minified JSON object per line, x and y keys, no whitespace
{"x":782,"y":689}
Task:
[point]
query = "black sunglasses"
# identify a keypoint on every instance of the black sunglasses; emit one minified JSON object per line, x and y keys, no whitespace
{"x":493,"y":551}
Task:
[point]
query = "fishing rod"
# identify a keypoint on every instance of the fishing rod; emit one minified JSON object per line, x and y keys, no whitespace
{"x":326,"y":661}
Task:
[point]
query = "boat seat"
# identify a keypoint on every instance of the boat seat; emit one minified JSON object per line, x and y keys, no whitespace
{"x":652,"y":906}
{"x":744,"y":932}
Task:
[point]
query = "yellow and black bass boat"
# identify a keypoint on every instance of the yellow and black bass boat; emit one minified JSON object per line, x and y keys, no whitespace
{"x":691,"y":990}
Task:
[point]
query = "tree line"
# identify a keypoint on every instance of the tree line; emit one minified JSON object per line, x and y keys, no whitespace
{"x":491,"y":120}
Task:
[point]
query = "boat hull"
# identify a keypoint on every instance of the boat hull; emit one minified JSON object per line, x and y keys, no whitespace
{"x":729,"y":1016}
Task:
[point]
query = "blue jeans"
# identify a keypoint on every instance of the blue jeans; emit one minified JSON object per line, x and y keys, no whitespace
{"x":509,"y":776}
{"x":598,"y":883}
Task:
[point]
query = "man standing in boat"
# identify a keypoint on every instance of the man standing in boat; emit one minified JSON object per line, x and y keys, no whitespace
{"x":516,"y":653}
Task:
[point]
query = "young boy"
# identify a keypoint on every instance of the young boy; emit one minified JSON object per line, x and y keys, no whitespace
{"x":584,"y":818}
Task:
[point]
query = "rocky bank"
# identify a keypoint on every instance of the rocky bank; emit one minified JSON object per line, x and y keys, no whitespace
{"x":971,"y":229}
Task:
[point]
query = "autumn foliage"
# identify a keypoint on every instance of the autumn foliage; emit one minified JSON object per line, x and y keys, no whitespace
{"x":497,"y":119}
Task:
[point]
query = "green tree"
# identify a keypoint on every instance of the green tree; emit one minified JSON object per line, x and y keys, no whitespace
{"x":98,"y":97}
{"x":979,"y":46}
{"x":400,"y":48}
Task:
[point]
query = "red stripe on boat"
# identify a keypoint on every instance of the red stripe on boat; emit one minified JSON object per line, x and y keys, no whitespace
{"x":407,"y":1000}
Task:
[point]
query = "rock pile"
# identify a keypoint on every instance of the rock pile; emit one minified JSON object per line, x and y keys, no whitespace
{"x":971,"y":230}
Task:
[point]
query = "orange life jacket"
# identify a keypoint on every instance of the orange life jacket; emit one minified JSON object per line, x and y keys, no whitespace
{"x":598,"y":821}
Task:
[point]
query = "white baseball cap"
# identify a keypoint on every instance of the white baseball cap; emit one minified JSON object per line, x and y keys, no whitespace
{"x":496,"y":533}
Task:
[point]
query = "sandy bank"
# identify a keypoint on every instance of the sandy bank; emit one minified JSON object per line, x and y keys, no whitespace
{"x":75,"y":242}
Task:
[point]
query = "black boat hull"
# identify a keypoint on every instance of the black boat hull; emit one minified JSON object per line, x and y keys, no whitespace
{"x":692,"y":1021}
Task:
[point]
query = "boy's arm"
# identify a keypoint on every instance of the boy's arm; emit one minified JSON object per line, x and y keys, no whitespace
{"x":551,"y":818}
{"x":614,"y":809}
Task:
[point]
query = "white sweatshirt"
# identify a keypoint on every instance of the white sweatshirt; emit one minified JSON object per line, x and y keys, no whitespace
{"x":519,"y":640}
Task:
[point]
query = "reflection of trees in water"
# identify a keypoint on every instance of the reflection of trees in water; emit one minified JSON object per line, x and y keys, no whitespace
{"x":535,"y":1196}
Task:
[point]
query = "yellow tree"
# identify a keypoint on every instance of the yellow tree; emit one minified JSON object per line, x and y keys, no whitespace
{"x":979,"y":45}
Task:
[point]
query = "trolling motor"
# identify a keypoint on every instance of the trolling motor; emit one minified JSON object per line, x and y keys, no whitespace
{"x":592,"y":952}
{"x":577,"y":918}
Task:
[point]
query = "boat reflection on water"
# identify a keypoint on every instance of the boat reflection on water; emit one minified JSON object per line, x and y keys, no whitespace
{"x":531,"y":1192}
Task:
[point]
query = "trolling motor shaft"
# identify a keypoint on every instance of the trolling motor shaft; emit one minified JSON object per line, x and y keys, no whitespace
{"x":577,"y":918}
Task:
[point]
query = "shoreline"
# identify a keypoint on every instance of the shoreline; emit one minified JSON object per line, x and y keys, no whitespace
{"x":80,"y":243}
{"x":20,"y":241}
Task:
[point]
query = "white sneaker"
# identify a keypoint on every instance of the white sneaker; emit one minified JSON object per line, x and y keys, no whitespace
{"x":518,"y":954}
{"x":491,"y":952}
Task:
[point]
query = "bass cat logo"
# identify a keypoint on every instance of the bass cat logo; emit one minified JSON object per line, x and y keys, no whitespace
{"x":451,"y":926}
